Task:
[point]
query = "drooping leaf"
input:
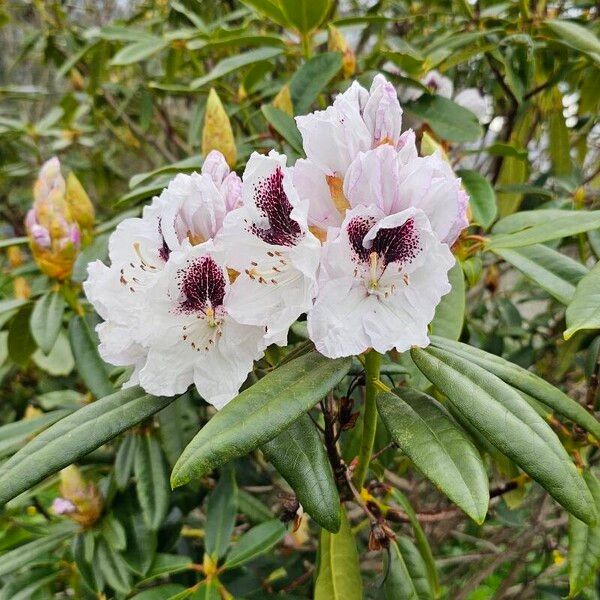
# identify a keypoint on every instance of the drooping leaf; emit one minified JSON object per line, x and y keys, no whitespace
{"x":92,"y":577}
{"x":525,"y":381}
{"x":584,"y":545}
{"x":576,"y":36}
{"x":256,"y":541}
{"x":551,"y":270}
{"x":46,"y":320}
{"x":284,"y":125}
{"x":75,"y":436}
{"x":584,"y":310}
{"x":427,"y":434}
{"x":338,"y":575}
{"x":506,"y":420}
{"x":124,"y":460}
{"x":113,"y":568}
{"x":406,"y":574}
{"x":152,"y":481}
{"x":482,"y":197}
{"x":299,"y":456}
{"x":220,"y":514}
{"x":304,"y":15}
{"x":450,"y":312}
{"x":260,"y":413}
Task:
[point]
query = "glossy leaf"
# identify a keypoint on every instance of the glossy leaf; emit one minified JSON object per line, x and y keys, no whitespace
{"x":138,"y":51}
{"x":338,"y":575}
{"x":525,"y":381}
{"x":551,"y":270}
{"x":260,"y":413}
{"x":584,"y":310}
{"x":90,"y":366}
{"x":268,"y":8}
{"x":503,"y":417}
{"x":46,"y":320}
{"x":304,"y":15}
{"x":124,"y":460}
{"x":450,"y":312}
{"x":299,"y":456}
{"x":284,"y":125}
{"x":75,"y":436}
{"x":152,"y":480}
{"x":253,"y":543}
{"x":482,"y":197}
{"x":406,"y":576}
{"x":221,"y":511}
{"x":160,"y":592}
{"x":428,"y":435}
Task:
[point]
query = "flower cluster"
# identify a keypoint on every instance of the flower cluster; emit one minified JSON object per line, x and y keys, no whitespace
{"x":357,"y":236}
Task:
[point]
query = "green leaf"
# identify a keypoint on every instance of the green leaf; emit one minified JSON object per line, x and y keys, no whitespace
{"x":284,"y":125}
{"x":113,"y":568}
{"x":537,"y":226}
{"x":125,"y":459}
{"x":268,"y":8}
{"x":253,"y":508}
{"x":208,"y":590}
{"x":525,"y":381}
{"x":90,"y":366}
{"x":421,"y":540}
{"x":167,"y":564}
{"x":20,"y":342}
{"x":75,"y":436}
{"x":576,"y":36}
{"x":256,"y":541}
{"x":92,"y":577}
{"x":152,"y":481}
{"x":449,"y":120}
{"x":450,"y":312}
{"x":138,"y":51}
{"x":406,"y":572}
{"x":558,"y":134}
{"x":160,"y":592}
{"x":438,"y":447}
{"x":510,"y":424}
{"x":482,"y":197}
{"x":305,"y":15}
{"x":141,"y":541}
{"x":338,"y":576}
{"x":221,"y":510}
{"x":299,"y":456}
{"x":46,"y":320}
{"x":60,"y":361}
{"x":260,"y":413}
{"x":27,"y":553}
{"x":551,"y":270}
{"x":15,"y":435}
{"x":114,"y":533}
{"x":233,"y":63}
{"x":584,"y":545}
{"x":311,"y":78}
{"x":584,"y":311}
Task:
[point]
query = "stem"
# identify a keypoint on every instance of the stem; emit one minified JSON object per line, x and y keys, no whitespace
{"x":372,"y":365}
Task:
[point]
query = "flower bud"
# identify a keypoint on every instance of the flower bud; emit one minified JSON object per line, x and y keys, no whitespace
{"x":85,"y":501}
{"x":337,"y":43}
{"x":53,"y":231}
{"x":217,"y":133}
{"x":283,"y":101}
{"x":80,"y":205}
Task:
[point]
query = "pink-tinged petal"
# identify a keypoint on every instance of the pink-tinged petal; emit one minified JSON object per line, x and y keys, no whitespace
{"x":407,"y":147}
{"x":382,"y":113}
{"x":231,"y":189}
{"x":216,"y":167}
{"x":462,"y":220}
{"x":62,"y":506}
{"x":374,"y":178}
{"x":40,"y":236}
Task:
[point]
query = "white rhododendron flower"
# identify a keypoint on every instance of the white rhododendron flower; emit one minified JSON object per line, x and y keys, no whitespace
{"x":268,"y":242}
{"x":193,"y":338}
{"x":381,"y":280}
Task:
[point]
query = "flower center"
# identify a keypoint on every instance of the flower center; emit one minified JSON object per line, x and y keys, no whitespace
{"x":202,"y":285}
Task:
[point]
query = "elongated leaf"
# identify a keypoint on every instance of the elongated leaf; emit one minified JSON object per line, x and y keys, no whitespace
{"x":152,"y":481}
{"x":449,"y":120}
{"x":284,"y":125}
{"x":482,"y":197}
{"x":90,"y":366}
{"x":167,"y":564}
{"x":406,"y":575}
{"x":138,"y":51}
{"x":125,"y":459}
{"x":312,"y":77}
{"x":503,"y":417}
{"x":256,"y":541}
{"x":543,"y":226}
{"x":113,"y":568}
{"x":450,"y":312}
{"x":421,"y":540}
{"x":220,"y":514}
{"x":27,"y":553}
{"x":233,"y":63}
{"x":160,"y":592}
{"x":338,"y":577}
{"x":15,"y":435}
{"x":268,"y":8}
{"x":141,"y":541}
{"x":525,"y":381}
{"x":554,"y":272}
{"x":92,"y":577}
{"x":584,"y":310}
{"x":114,"y":533}
{"x":253,"y":508}
{"x":299,"y":456}
{"x":46,"y":320}
{"x":304,"y":15}
{"x":576,"y":36}
{"x":426,"y":433}
{"x":584,"y":545}
{"x":75,"y":436}
{"x":260,"y":413}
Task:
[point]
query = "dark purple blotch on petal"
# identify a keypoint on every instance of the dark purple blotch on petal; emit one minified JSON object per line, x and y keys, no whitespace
{"x":202,"y":285}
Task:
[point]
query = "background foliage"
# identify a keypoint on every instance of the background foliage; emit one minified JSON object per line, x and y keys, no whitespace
{"x":118,"y":91}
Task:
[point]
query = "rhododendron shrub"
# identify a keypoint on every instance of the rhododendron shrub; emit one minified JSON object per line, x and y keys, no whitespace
{"x":299,"y":299}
